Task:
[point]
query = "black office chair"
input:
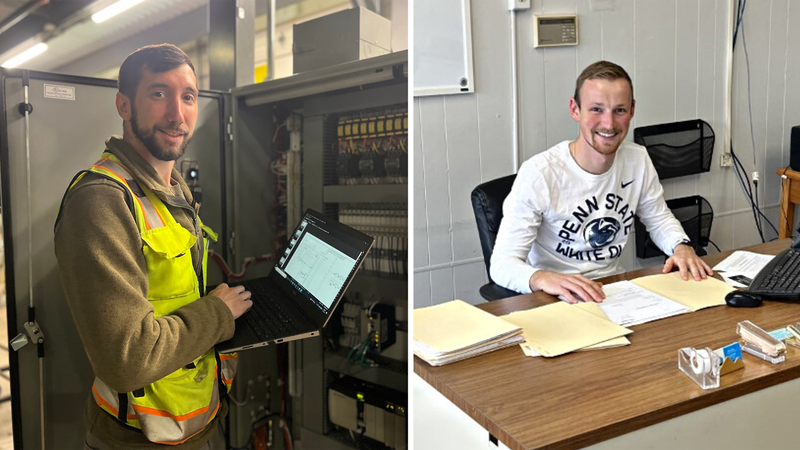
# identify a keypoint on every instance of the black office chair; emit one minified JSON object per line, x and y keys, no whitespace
{"x":487,"y":204}
{"x":695,"y":215}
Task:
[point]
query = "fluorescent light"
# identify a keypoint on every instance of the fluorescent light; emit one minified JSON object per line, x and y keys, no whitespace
{"x":114,"y":9}
{"x":37,"y":49}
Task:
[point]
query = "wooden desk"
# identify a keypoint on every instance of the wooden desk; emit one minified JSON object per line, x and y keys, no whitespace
{"x":790,"y":197}
{"x":584,"y":398}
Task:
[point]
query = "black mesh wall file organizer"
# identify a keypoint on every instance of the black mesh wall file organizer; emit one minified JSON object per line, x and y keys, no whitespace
{"x":678,"y":148}
{"x":695,"y":215}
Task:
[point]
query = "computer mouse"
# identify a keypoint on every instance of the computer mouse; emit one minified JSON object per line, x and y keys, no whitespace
{"x":743,"y":299}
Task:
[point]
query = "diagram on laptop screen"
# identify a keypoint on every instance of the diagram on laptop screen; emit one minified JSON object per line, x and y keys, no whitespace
{"x":319,"y":268}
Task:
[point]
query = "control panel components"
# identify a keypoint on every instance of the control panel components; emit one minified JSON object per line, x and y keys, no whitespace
{"x":371,"y":164}
{"x":348,"y":167}
{"x":294,"y":124}
{"x":378,"y":326}
{"x":372,"y":147}
{"x":555,"y":30}
{"x":371,"y":410}
{"x":389,"y":227}
{"x":351,"y":325}
{"x":396,"y":163}
{"x":190,"y":169}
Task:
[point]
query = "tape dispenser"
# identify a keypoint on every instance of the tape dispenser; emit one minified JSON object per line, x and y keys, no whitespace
{"x":701,"y":365}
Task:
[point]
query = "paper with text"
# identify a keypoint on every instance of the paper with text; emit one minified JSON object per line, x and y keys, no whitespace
{"x":742,"y":264}
{"x":628,"y":304}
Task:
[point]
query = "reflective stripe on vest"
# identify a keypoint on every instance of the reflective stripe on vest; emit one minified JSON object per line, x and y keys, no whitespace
{"x":180,"y":405}
{"x":152,"y":219}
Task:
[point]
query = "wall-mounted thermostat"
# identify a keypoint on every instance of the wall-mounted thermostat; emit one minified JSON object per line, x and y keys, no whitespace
{"x":555,"y":30}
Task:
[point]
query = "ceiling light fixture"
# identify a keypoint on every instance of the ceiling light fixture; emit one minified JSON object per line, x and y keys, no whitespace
{"x":37,"y":49}
{"x":114,"y":9}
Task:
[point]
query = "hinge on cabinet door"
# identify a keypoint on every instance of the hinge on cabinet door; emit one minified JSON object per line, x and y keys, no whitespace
{"x":229,"y":128}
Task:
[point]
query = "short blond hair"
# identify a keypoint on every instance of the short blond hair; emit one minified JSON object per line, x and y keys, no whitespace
{"x":603,"y":70}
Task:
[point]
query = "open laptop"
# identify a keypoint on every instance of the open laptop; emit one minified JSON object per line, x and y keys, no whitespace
{"x":299,"y":295}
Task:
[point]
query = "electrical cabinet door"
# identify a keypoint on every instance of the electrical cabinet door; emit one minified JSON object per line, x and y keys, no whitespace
{"x":71,"y":119}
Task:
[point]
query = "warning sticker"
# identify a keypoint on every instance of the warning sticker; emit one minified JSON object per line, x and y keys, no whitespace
{"x":59,"y":92}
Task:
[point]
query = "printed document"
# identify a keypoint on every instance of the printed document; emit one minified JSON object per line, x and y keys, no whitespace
{"x":628,"y":304}
{"x":741,"y":267}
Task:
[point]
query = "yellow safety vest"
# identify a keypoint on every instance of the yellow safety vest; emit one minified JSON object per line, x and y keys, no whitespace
{"x":180,"y":405}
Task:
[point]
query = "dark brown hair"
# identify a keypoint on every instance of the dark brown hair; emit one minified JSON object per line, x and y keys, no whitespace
{"x":157,"y":58}
{"x":603,"y":70}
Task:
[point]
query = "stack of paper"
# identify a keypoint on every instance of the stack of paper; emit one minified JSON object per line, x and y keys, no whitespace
{"x":595,"y":309}
{"x":560,"y":328}
{"x":457,"y":330}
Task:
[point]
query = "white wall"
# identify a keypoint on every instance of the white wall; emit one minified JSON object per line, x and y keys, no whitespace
{"x":675,"y":51}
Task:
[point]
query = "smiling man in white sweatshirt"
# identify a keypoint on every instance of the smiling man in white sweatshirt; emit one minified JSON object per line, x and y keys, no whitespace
{"x":571,"y":209}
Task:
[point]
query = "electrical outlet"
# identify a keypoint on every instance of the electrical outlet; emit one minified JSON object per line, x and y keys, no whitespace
{"x":726,"y":160}
{"x":517,"y":5}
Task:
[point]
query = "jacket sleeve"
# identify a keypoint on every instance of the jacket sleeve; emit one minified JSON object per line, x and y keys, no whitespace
{"x":104,"y":275}
{"x":665,"y":230}
{"x":522,"y":215}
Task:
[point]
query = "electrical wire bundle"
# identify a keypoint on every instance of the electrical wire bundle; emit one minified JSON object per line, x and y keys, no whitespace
{"x":750,"y":191}
{"x":276,"y":212}
{"x":247,"y":263}
{"x":358,"y":354}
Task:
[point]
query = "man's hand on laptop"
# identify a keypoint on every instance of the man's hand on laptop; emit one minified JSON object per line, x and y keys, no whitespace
{"x":574,"y":288}
{"x":687,"y":261}
{"x":236,"y":298}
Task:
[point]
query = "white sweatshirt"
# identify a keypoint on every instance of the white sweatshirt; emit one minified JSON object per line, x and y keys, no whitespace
{"x":560,"y":218}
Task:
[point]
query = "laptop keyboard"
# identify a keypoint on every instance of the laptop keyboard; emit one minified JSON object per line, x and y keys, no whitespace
{"x":268,"y":318}
{"x":781,"y":277}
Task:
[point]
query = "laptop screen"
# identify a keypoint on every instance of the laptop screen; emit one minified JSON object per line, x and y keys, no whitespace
{"x":319,"y":260}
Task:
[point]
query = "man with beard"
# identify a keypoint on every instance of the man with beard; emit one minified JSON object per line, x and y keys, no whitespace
{"x":132,"y":255}
{"x":570,"y":211}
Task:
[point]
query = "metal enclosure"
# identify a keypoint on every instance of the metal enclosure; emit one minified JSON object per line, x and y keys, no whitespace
{"x":348,"y":35}
{"x":67,"y":136}
{"x":319,"y":95}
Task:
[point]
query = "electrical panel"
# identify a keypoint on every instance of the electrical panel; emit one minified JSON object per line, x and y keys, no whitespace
{"x":371,"y":147}
{"x":389,"y":227}
{"x":370,"y":410}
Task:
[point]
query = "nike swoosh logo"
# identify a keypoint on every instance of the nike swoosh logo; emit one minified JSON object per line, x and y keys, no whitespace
{"x":624,"y":185}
